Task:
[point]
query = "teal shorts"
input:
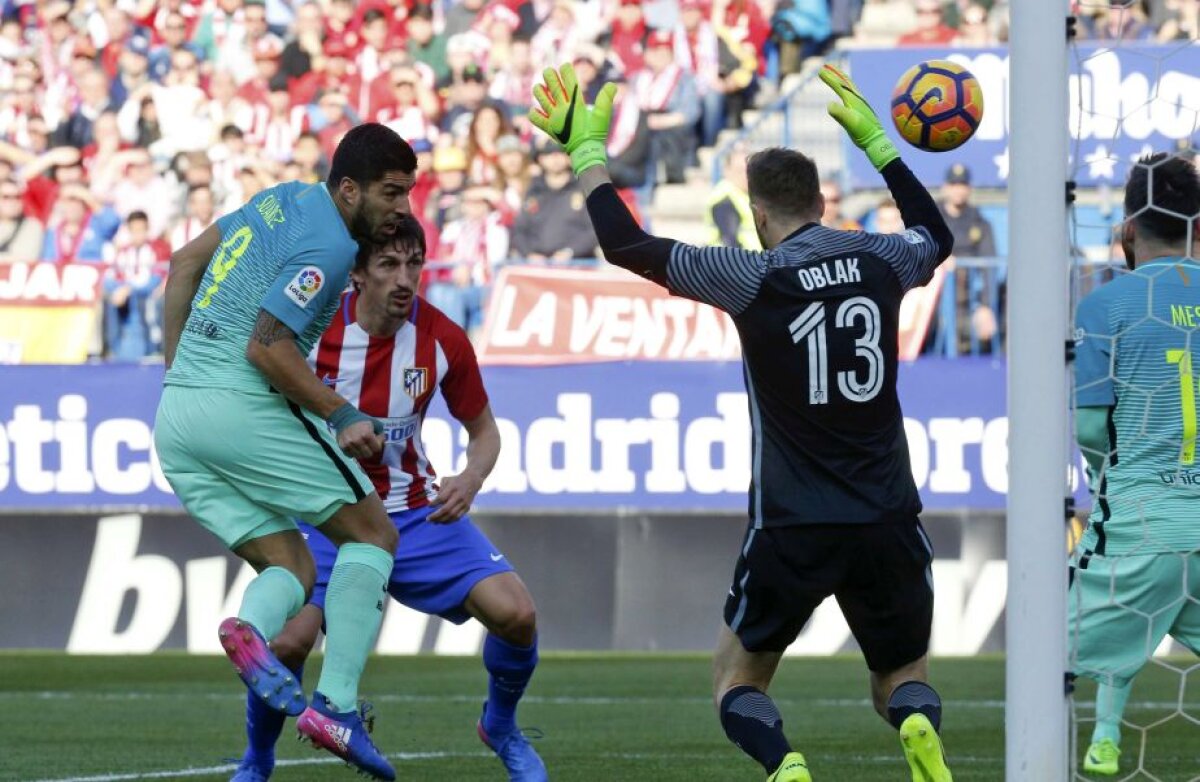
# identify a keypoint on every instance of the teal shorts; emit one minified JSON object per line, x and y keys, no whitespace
{"x":1122,"y":607}
{"x":245,"y":464}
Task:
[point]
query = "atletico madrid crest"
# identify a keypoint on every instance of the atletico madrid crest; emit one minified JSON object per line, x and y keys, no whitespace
{"x":415,"y":381}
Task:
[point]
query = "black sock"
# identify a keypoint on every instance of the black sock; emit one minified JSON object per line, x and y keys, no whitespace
{"x":751,"y":721}
{"x":914,"y":697}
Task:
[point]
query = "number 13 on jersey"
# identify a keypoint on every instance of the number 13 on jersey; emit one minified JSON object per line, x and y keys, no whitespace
{"x":811,"y":327}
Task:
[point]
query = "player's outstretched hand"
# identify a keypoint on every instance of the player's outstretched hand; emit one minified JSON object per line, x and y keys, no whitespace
{"x":562,"y":114}
{"x":360,"y":439}
{"x":454,"y":498}
{"x":858,"y":118}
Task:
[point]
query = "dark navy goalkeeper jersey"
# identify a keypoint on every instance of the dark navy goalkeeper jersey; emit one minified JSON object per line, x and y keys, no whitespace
{"x":818,"y":321}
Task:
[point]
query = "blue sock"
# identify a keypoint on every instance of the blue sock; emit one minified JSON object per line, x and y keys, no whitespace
{"x":509,"y":670}
{"x":1110,"y":705}
{"x":752,"y":722}
{"x":913,"y":697}
{"x":263,"y":726}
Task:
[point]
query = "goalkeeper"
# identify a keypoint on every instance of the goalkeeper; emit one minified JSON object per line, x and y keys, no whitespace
{"x":1136,"y":571}
{"x":833,"y":506}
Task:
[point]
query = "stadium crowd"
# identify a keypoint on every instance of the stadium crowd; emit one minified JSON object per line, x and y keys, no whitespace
{"x":128,"y":126}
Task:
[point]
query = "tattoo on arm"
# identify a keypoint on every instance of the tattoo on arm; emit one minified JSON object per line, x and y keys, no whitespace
{"x":268,"y":330}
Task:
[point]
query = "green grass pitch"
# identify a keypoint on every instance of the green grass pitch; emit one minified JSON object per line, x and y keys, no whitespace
{"x":604,"y":717}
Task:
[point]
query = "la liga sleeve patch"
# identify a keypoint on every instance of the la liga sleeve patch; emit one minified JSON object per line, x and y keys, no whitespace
{"x":303,"y":288}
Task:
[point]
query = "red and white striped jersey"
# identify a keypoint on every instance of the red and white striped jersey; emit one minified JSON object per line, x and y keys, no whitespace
{"x":393,"y":379}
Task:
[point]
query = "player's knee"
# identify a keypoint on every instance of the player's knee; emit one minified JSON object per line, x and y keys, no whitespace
{"x":518,"y":622}
{"x":291,"y":651}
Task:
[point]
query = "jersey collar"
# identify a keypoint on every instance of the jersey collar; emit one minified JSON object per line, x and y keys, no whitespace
{"x":1167,"y":261}
{"x":799,"y":231}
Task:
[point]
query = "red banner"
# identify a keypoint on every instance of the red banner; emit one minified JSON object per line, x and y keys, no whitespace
{"x":539,"y":315}
{"x":47,"y":312}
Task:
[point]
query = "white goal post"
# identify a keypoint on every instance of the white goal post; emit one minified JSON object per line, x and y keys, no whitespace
{"x":1036,"y":721}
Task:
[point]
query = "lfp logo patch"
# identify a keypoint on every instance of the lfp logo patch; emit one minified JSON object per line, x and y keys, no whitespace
{"x":415,"y":381}
{"x":305,"y":285}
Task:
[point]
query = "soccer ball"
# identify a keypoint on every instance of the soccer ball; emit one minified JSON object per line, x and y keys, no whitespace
{"x":937,"y":105}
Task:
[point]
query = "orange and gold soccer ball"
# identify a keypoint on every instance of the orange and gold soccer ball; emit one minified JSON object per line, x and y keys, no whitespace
{"x":937,"y":105}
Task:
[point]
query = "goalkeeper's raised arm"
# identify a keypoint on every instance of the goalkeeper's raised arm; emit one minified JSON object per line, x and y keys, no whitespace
{"x":782,"y":204}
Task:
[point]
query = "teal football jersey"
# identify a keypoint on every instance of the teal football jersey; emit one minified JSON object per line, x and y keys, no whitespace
{"x":287,"y":251}
{"x":1137,"y":352}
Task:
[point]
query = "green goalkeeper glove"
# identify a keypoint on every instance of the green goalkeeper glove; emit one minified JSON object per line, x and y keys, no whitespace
{"x":856,"y":116}
{"x":564,"y":117}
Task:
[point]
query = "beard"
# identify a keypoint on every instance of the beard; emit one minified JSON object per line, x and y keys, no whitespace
{"x":360,"y":225}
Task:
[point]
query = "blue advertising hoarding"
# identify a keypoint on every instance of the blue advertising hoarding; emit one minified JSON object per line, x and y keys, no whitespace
{"x":1124,"y":102}
{"x":640,"y":435}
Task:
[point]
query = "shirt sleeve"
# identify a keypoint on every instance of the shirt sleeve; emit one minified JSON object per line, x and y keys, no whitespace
{"x":1093,"y":354}
{"x":305,"y":287}
{"x":462,"y":386}
{"x":913,"y":255}
{"x":728,"y":278}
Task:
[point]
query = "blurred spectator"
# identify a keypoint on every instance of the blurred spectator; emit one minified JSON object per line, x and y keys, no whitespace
{"x":264,"y":77}
{"x":698,"y":51}
{"x":450,"y":167}
{"x":629,"y":142}
{"x":199,"y":214}
{"x":424,"y":44}
{"x":339,"y":27}
{"x":312,"y":165}
{"x":375,"y":34}
{"x":466,"y":95}
{"x":557,"y":36}
{"x":744,"y":20}
{"x":19,"y":107}
{"x":98,"y":156}
{"x":130,"y":282}
{"x":80,"y":227}
{"x":133,"y":69}
{"x":142,"y":189}
{"x":1175,"y":20}
{"x":932,"y":29}
{"x":738,"y":71}
{"x":975,"y":289}
{"x":475,"y":243}
{"x":488,"y":124}
{"x":833,"y":216}
{"x":973,"y":27}
{"x":499,"y":24}
{"x":276,"y":128}
{"x":221,"y":34}
{"x":225,"y":106}
{"x":174,"y":38}
{"x":514,"y":84}
{"x":45,"y":175}
{"x":20,"y":234}
{"x":336,"y":119}
{"x":801,"y":28}
{"x":168,"y":118}
{"x":461,"y":16}
{"x":553,"y":225}
{"x":408,"y":106}
{"x":887,"y":218}
{"x":76,"y":131}
{"x":667,"y":94}
{"x":727,"y":216}
{"x":1117,"y":22}
{"x":843,"y":16}
{"x":334,"y":72}
{"x":303,"y":52}
{"x":512,"y":167}
{"x":626,"y":40}
{"x":972,"y":231}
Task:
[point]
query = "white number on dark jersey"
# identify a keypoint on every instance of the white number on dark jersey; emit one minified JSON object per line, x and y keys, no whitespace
{"x":810,"y":326}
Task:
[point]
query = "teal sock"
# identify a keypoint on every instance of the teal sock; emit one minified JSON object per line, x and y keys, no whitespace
{"x":1110,"y":706}
{"x":273,"y":597}
{"x":353,"y":611}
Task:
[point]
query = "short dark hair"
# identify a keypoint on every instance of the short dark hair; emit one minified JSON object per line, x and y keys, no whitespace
{"x":409,"y":232}
{"x":783,"y":181}
{"x":368,"y":151}
{"x":1174,"y":204}
{"x":373,"y":15}
{"x":137,"y":216}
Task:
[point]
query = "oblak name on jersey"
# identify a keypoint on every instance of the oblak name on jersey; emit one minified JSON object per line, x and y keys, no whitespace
{"x":837,"y":272}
